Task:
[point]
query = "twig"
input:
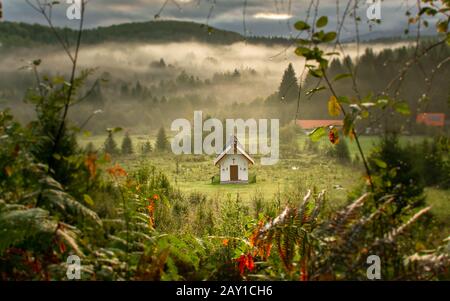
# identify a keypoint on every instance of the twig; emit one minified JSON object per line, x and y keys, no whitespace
{"x":361,"y":152}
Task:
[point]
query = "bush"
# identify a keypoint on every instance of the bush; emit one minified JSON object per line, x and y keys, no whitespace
{"x":288,"y":141}
{"x":340,"y":151}
{"x":215,"y":179}
{"x":395,"y":171}
{"x":436,"y":169}
{"x":252,"y":179}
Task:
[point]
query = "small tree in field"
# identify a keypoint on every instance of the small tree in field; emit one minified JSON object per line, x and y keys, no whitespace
{"x":147,"y":148}
{"x":127,"y":145}
{"x":89,"y":149}
{"x":110,"y":145}
{"x":162,"y":144}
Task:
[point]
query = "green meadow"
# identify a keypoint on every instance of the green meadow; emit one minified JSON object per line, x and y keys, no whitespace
{"x":192,"y":174}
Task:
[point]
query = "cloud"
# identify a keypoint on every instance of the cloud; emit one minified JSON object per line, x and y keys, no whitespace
{"x":267,"y":18}
{"x":272,"y":16}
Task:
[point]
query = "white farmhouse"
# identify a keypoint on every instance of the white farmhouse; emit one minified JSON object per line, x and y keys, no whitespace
{"x":234,"y":163}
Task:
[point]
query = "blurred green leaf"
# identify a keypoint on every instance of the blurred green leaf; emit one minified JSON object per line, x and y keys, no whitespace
{"x":316,"y":73}
{"x":322,"y":22}
{"x":348,"y":124}
{"x":379,"y":163}
{"x":302,"y":51}
{"x":402,"y":108}
{"x":343,"y":99}
{"x":330,"y":36}
{"x":301,"y":25}
{"x":88,"y":200}
{"x":317,"y":133}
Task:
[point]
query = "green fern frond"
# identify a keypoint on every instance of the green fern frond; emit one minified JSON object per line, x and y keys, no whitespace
{"x":350,"y":237}
{"x":347,"y":215}
{"x":17,"y":226}
{"x":391,"y":237}
{"x":70,"y":239}
{"x":66,"y":204}
{"x":290,"y":230}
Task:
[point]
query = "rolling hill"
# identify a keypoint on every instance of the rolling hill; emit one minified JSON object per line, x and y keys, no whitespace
{"x":14,"y":34}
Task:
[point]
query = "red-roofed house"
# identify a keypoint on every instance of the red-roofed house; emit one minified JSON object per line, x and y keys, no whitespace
{"x":431,"y":119}
{"x":312,"y":124}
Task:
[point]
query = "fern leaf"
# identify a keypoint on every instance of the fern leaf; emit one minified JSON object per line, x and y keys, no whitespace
{"x":392,"y":236}
{"x":17,"y":226}
{"x":69,"y":238}
{"x":66,"y":204}
{"x":348,"y":214}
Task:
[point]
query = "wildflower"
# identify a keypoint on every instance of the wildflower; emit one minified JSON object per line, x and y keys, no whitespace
{"x":151,"y":211}
{"x":90,"y":163}
{"x":245,"y":262}
{"x":117,"y":171}
{"x":156,"y":197}
{"x":225,"y":242}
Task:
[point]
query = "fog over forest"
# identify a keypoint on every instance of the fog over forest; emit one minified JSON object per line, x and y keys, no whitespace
{"x":211,"y":77}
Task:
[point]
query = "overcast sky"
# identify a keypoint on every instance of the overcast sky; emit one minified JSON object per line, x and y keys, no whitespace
{"x":263,"y":17}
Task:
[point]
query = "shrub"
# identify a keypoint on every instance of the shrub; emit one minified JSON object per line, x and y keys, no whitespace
{"x":340,"y":151}
{"x":436,"y":169}
{"x":395,"y":171}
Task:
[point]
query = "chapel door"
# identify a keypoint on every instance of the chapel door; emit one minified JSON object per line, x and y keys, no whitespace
{"x":234,"y":173}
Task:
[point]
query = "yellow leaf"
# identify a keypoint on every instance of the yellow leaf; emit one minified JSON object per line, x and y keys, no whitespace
{"x":88,"y":200}
{"x":334,"y":109}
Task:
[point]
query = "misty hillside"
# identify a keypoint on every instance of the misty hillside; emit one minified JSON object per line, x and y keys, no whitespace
{"x":14,"y":34}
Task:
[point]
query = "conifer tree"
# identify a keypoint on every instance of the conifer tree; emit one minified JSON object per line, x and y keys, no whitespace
{"x":288,"y":90}
{"x":162,"y":144}
{"x":147,"y":148}
{"x":110,"y":145}
{"x":127,"y":145}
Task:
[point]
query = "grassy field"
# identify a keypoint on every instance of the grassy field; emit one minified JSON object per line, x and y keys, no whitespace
{"x":303,"y":172}
{"x":306,"y":170}
{"x":367,"y":142}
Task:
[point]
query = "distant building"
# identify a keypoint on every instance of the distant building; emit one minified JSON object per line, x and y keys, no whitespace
{"x":234,"y":163}
{"x":431,"y":119}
